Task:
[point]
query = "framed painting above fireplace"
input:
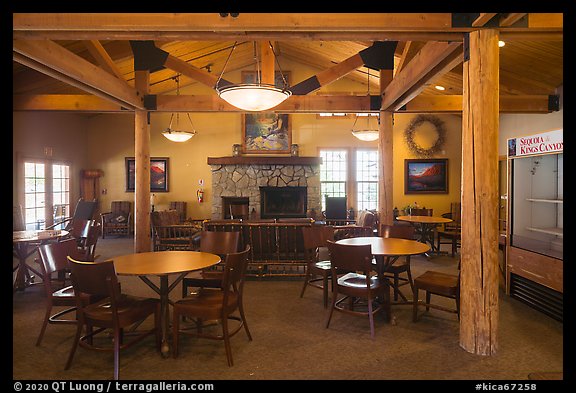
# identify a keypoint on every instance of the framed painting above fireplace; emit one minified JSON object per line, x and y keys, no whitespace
{"x":266,"y":132}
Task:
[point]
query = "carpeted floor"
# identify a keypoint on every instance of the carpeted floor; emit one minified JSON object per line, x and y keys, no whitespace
{"x":290,"y":341}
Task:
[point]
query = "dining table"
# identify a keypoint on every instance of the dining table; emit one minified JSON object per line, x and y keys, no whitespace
{"x":24,"y":244}
{"x":163,"y":264}
{"x":386,"y":251}
{"x":425,"y":228}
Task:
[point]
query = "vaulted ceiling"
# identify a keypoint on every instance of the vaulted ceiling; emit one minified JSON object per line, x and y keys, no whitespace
{"x":60,"y":60}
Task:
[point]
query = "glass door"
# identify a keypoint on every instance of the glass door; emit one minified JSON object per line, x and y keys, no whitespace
{"x":46,"y":194}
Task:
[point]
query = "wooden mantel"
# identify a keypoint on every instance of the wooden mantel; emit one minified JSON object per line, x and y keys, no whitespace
{"x":264,"y":160}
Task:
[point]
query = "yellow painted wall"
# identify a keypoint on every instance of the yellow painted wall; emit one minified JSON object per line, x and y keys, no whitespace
{"x":103,"y":141}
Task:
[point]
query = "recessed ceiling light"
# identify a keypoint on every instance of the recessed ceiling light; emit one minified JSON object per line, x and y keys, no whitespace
{"x":501,"y":43}
{"x":438,"y":87}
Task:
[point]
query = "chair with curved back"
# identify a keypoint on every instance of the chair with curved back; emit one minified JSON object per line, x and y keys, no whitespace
{"x":53,"y":261}
{"x":116,"y":311}
{"x":351,"y":270}
{"x":216,"y":304}
{"x":317,"y":268}
{"x":215,"y":242}
{"x":399,"y":266}
{"x":450,"y":233}
{"x":118,"y":220}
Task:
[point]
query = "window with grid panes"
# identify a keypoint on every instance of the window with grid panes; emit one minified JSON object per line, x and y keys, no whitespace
{"x":333,"y":173}
{"x":367,"y":179}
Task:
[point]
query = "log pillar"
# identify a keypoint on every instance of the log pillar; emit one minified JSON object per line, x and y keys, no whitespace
{"x":142,"y":237}
{"x":385,"y":155}
{"x":479,"y":251}
{"x":267,"y":57}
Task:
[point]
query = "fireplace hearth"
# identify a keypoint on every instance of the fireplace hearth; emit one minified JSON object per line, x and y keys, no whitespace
{"x":283,"y":202}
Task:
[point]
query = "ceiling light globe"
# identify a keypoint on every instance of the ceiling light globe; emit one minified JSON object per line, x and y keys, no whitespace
{"x":178,"y":136}
{"x":366,"y":135}
{"x":250,"y":97}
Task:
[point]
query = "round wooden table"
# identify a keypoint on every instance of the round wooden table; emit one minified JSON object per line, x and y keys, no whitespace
{"x":25,"y":243}
{"x":163,"y":264}
{"x":386,"y":251}
{"x":425,"y":227}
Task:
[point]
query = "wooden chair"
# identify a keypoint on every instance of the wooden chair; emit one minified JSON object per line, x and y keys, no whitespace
{"x":399,"y":266}
{"x":118,"y":220}
{"x":89,"y":241}
{"x":181,"y":208}
{"x":53,"y":261}
{"x":83,"y":211}
{"x":346,"y":262}
{"x":421,"y":212}
{"x":239,"y":211}
{"x":437,"y":283}
{"x":116,"y":311}
{"x":214,"y":242}
{"x":216,"y":304}
{"x":317,"y":269}
{"x":452,"y":231}
{"x":348,"y":231}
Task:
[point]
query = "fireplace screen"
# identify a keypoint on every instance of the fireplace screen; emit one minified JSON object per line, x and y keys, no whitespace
{"x":283,"y":202}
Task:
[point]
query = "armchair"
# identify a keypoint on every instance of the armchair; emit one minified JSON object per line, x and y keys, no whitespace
{"x":118,"y":220}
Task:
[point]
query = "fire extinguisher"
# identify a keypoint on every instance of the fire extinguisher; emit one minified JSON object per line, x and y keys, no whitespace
{"x":200,"y":195}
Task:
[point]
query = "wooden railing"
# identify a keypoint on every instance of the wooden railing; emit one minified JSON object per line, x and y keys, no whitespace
{"x":277,"y":248}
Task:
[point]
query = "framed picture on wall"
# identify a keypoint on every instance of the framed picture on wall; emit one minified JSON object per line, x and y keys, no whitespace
{"x":158,"y":174}
{"x":266,"y":132}
{"x":426,"y":176}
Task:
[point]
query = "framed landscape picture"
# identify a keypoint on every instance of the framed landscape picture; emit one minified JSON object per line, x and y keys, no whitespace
{"x":266,"y":132}
{"x":158,"y":174}
{"x":426,"y":176}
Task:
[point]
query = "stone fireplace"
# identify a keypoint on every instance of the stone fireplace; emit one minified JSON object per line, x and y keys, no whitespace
{"x":297,"y":178}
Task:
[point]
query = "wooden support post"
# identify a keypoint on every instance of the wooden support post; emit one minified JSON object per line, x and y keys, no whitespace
{"x":479,"y":251}
{"x":142,"y":238}
{"x":267,"y":57}
{"x":385,"y":154}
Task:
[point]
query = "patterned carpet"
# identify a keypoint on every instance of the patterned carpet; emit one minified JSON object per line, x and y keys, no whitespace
{"x":290,"y":341}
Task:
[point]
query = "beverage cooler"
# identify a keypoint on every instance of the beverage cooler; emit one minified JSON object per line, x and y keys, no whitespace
{"x":535,"y":259}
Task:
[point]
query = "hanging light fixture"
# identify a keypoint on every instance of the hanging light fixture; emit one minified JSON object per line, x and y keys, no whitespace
{"x":366,"y":134}
{"x":253,"y":96}
{"x":177,"y":134}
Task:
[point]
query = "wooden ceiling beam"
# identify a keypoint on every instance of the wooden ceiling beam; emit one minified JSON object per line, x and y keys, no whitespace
{"x":328,"y":76}
{"x":158,"y":22}
{"x":32,"y":64}
{"x":511,"y":18}
{"x":296,"y":104}
{"x":432,"y":61}
{"x":65,"y":103}
{"x":482,"y":19}
{"x":45,"y":56}
{"x":103,"y":58}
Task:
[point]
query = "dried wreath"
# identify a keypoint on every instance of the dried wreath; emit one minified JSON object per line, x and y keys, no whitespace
{"x":411,"y":129}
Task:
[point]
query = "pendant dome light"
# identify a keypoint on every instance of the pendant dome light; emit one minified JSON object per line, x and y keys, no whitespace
{"x":253,"y":96}
{"x":177,"y":134}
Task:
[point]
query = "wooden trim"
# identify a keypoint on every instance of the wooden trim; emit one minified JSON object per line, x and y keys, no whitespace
{"x":259,"y":160}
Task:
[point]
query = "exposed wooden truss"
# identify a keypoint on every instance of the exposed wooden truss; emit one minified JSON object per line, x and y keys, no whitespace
{"x":432,"y":53}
